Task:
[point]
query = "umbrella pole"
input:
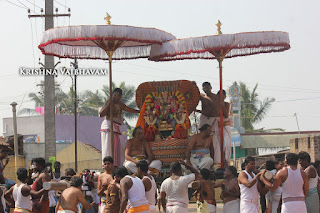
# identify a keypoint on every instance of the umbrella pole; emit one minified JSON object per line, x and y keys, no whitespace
{"x":220,"y":59}
{"x":111,"y":102}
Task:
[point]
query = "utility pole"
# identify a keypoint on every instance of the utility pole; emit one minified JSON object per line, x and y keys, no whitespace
{"x":15,"y":134}
{"x":49,"y":87}
{"x":75,"y":65}
{"x":49,"y":92}
{"x":295,"y":114}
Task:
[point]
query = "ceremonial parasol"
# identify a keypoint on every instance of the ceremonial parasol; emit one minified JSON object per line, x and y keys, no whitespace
{"x":108,"y":42}
{"x":220,"y":47}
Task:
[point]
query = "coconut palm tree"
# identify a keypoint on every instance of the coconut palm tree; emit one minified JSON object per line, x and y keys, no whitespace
{"x":38,"y":99}
{"x":253,"y":110}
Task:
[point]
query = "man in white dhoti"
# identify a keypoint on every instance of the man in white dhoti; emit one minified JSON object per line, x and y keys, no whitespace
{"x":174,"y":190}
{"x":250,"y":187}
{"x":295,"y":185}
{"x":227,"y":123}
{"x":199,"y":152}
{"x":210,"y":114}
{"x":139,"y":149}
{"x":118,"y":142}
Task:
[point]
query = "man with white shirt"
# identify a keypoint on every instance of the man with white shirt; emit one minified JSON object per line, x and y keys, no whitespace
{"x":175,"y":188}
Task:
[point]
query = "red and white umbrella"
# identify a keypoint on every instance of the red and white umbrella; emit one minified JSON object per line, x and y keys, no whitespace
{"x":220,"y":47}
{"x":107,"y":42}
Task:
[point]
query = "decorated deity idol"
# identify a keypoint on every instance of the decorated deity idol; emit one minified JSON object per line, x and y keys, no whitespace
{"x":151,"y":128}
{"x":182,"y":123}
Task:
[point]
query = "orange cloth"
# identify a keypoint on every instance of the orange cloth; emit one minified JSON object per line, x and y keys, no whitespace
{"x":141,"y":120}
{"x":139,"y":209}
{"x":20,"y":210}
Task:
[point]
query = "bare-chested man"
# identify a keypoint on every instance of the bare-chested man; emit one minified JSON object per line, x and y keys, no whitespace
{"x":225,"y":106}
{"x":206,"y":193}
{"x":139,"y":149}
{"x":210,"y":114}
{"x":230,"y":191}
{"x":313,"y":197}
{"x":104,"y":180}
{"x":118,"y":143}
{"x":200,"y":150}
{"x":71,"y":196}
{"x":42,"y":175}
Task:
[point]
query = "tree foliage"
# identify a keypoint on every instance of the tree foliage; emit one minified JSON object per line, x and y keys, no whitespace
{"x":89,"y":102}
{"x":253,"y":110}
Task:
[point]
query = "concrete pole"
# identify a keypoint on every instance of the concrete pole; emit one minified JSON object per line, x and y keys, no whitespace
{"x":15,"y":134}
{"x":49,"y":92}
{"x":234,"y":153}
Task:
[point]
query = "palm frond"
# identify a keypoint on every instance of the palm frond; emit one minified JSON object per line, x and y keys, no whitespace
{"x":262,"y":111}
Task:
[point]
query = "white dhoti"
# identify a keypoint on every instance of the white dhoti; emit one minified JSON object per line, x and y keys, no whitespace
{"x":213,"y":122}
{"x":205,"y":207}
{"x":118,"y":142}
{"x":232,"y":206}
{"x":227,"y":142}
{"x":200,"y":159}
{"x":153,"y":209}
{"x":155,"y":164}
{"x":102,"y":204}
{"x":294,"y":206}
{"x":212,"y":208}
{"x":102,"y":207}
{"x":65,"y":211}
{"x":176,"y":207}
{"x":249,"y":206}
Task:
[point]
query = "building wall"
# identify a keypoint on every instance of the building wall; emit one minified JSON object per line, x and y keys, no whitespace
{"x":32,"y":150}
{"x":308,"y":144}
{"x":88,"y":157}
{"x":88,"y":128}
{"x":267,"y":151}
{"x":28,"y":125}
{"x":10,"y":170}
{"x":272,"y":140}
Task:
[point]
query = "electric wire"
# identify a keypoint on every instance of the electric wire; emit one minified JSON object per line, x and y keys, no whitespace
{"x":15,"y":4}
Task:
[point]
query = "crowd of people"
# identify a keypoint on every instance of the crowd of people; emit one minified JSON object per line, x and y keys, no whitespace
{"x":289,"y":188}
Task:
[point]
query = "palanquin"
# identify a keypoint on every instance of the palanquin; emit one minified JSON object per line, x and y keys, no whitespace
{"x":164,"y":116}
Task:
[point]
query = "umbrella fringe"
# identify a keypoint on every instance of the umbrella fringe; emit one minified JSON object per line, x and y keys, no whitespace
{"x":239,"y":44}
{"x":77,"y":41}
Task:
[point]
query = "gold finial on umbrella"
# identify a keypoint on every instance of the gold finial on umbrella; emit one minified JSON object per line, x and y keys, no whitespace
{"x":108,"y":18}
{"x":219,"y":28}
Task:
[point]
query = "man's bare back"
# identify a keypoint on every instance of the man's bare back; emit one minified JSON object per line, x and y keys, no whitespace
{"x":230,"y":190}
{"x":210,"y":106}
{"x":70,"y":198}
{"x":208,"y":191}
